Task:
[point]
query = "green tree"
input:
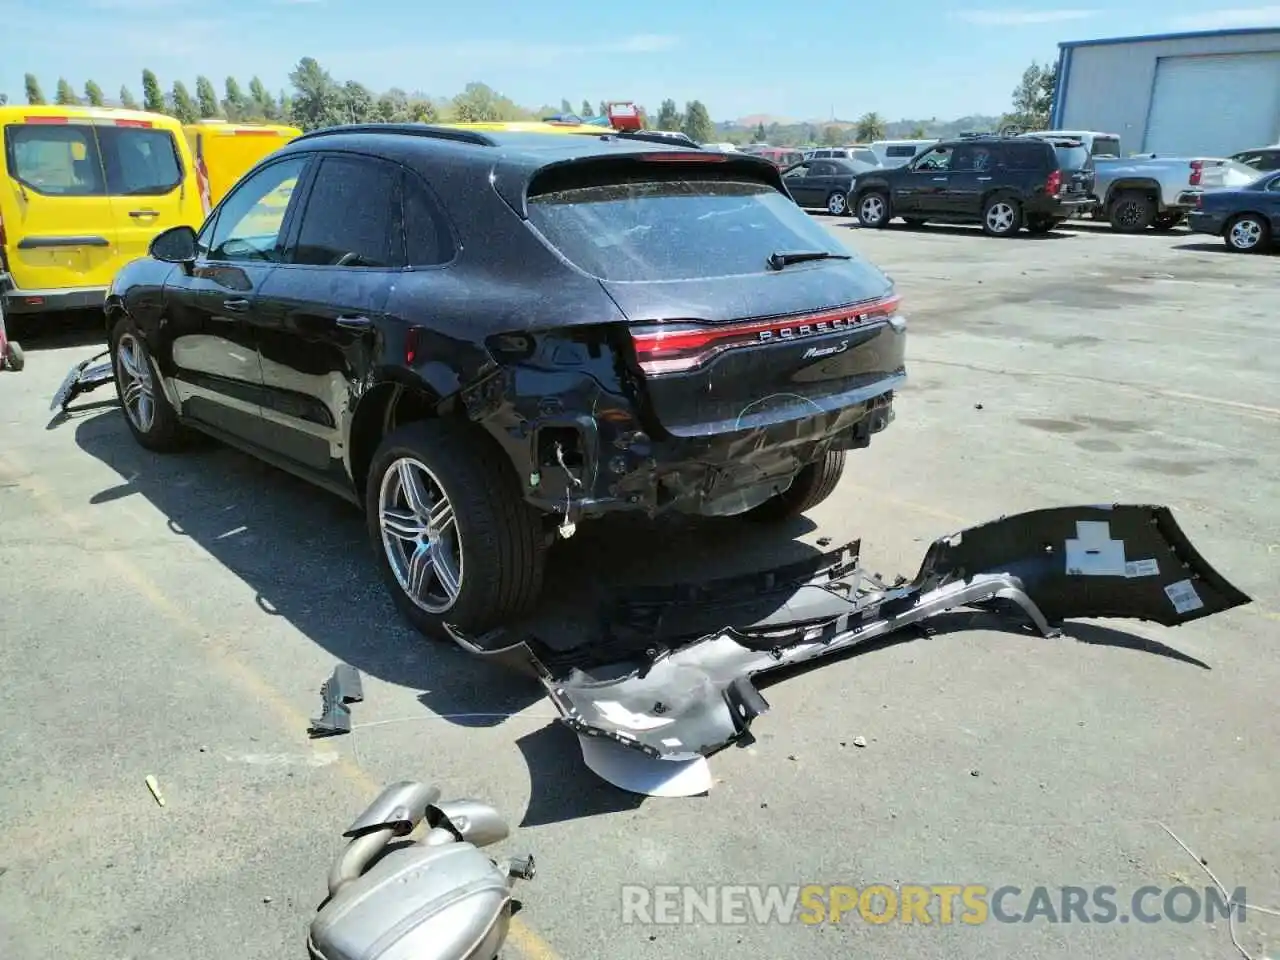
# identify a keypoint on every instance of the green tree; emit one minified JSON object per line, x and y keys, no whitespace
{"x":93,"y":93}
{"x":917,"y":132}
{"x":4,"y":99}
{"x":66,"y":95}
{"x":604,"y":108}
{"x":206,"y":98}
{"x":264,"y":105}
{"x":870,"y":127}
{"x":152,"y":96}
{"x":393,"y":106}
{"x":1033,"y":98}
{"x":284,"y":108}
{"x":759,"y":136}
{"x":697,"y":124}
{"x":126,"y":99}
{"x":669,"y":116}
{"x":422,"y":111}
{"x":832,"y":136}
{"x":478,"y":102}
{"x":318,"y":99}
{"x":184,"y":108}
{"x":235,"y":105}
{"x":566,"y":106}
{"x":358,"y":103}
{"x":587,"y":112}
{"x":35,"y":96}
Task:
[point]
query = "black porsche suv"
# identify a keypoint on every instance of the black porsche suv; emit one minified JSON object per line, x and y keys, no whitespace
{"x":485,"y":338}
{"x":1003,"y":183}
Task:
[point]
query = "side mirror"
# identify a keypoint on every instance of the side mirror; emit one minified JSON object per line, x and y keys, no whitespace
{"x":175,"y":245}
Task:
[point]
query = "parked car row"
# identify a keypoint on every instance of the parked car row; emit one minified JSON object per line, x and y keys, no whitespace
{"x":1038,"y":181}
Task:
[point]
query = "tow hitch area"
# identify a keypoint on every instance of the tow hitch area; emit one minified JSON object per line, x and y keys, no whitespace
{"x":84,"y":377}
{"x":672,"y":675}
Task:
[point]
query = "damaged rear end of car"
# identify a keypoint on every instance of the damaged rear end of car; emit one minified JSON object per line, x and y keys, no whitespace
{"x":744,"y":344}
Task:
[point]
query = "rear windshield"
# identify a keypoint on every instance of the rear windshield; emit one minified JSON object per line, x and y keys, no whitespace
{"x":1074,"y":157}
{"x":675,"y":229}
{"x":78,"y":160}
{"x":902,"y":150}
{"x":1106,"y":147}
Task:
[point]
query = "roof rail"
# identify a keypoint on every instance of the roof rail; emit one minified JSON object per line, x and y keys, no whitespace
{"x":404,"y":129}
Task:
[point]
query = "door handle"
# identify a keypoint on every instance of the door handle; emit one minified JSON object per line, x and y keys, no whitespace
{"x":939,"y":179}
{"x":984,"y":179}
{"x":236,"y":305}
{"x":351,"y":322}
{"x":144,"y":213}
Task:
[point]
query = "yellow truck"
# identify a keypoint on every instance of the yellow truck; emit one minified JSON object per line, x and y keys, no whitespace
{"x":85,"y":189}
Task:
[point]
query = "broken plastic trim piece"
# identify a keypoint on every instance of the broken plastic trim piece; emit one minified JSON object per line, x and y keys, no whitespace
{"x":344,"y":687}
{"x":686,"y":697}
{"x":84,"y":377}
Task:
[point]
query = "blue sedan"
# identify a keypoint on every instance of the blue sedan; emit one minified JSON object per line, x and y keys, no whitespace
{"x":1246,"y":218}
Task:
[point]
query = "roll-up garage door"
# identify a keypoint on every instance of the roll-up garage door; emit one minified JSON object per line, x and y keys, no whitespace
{"x":1214,"y":106}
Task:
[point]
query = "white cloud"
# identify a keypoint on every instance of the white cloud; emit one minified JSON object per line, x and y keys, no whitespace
{"x":1019,"y":18}
{"x":1225,"y":19}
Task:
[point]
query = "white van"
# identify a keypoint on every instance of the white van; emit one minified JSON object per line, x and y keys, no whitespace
{"x":894,"y":153}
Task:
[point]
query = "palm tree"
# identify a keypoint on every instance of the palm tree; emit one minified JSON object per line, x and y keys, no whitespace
{"x":870,"y":127}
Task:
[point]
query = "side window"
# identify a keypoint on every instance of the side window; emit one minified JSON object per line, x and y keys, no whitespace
{"x":965,"y":159}
{"x":799,"y":170}
{"x":248,"y":224}
{"x":139,"y":162}
{"x":1028,"y":156}
{"x":352,"y":217}
{"x":1269,"y":161}
{"x":55,"y":160}
{"x":1274,"y":185}
{"x":823,"y":168}
{"x":427,"y":239}
{"x":939,"y":158}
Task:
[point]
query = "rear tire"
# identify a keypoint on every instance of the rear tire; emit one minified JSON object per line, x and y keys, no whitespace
{"x":813,"y":484}
{"x":873,"y":209}
{"x":1002,"y":217}
{"x":454,"y":539}
{"x":1247,"y":233}
{"x":1131,"y":212}
{"x":17,"y":359}
{"x":140,"y":389}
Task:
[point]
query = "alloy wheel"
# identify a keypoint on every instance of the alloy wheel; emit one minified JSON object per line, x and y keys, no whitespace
{"x":871,"y":209}
{"x":836,"y":204}
{"x":420,"y":535}
{"x":1000,"y":217}
{"x":1129,"y":213}
{"x":1246,"y":234}
{"x":137,"y":387}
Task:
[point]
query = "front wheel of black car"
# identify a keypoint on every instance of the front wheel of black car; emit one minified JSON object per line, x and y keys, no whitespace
{"x":147,"y":411}
{"x":1002,"y":217}
{"x":837,"y":204}
{"x":1247,"y":233}
{"x":812,"y":485}
{"x":455,"y":541}
{"x":873,"y":209}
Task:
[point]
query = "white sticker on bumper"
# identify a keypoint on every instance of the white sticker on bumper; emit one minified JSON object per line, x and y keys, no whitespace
{"x":1093,"y":553}
{"x":1183,"y":596}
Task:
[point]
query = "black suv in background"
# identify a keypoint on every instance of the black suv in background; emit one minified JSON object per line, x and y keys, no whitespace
{"x":1003,"y":183}
{"x":484,"y":338}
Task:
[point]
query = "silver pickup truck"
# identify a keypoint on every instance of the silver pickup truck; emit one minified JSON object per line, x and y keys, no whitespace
{"x":1138,"y":192}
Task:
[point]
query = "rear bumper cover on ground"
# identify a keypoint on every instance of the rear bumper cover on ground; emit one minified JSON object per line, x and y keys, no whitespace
{"x":672,"y":676}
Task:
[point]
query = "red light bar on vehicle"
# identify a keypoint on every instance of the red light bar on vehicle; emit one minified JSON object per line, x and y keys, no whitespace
{"x":140,"y":124}
{"x":681,"y":347}
{"x":40,"y":119}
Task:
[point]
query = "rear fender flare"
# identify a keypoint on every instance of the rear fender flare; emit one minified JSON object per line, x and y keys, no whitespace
{"x":369,"y":418}
{"x":999,"y":193}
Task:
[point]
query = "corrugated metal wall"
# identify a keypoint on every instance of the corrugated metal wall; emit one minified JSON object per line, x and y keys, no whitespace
{"x":1108,"y":86}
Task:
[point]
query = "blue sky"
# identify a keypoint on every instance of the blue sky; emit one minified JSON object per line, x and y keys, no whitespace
{"x":905,"y":59}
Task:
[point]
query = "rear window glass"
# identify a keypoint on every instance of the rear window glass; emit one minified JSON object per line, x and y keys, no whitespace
{"x":901,"y":151}
{"x":1025,"y":156}
{"x":1074,"y":157}
{"x":866,"y":156}
{"x":1106,"y":147}
{"x":675,"y":229}
{"x":60,"y":161}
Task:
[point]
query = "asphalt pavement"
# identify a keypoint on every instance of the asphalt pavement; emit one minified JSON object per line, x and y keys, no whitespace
{"x":175,"y":617}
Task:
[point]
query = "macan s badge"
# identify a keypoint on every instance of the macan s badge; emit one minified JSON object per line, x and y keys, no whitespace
{"x":814,"y":352}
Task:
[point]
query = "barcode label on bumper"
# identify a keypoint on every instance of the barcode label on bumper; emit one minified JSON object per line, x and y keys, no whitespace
{"x":1183,"y":596}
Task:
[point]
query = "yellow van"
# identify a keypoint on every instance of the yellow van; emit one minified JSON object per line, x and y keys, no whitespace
{"x":224,"y":152}
{"x":84,"y":191}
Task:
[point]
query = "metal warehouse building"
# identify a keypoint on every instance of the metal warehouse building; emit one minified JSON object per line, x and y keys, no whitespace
{"x":1209,"y":94}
